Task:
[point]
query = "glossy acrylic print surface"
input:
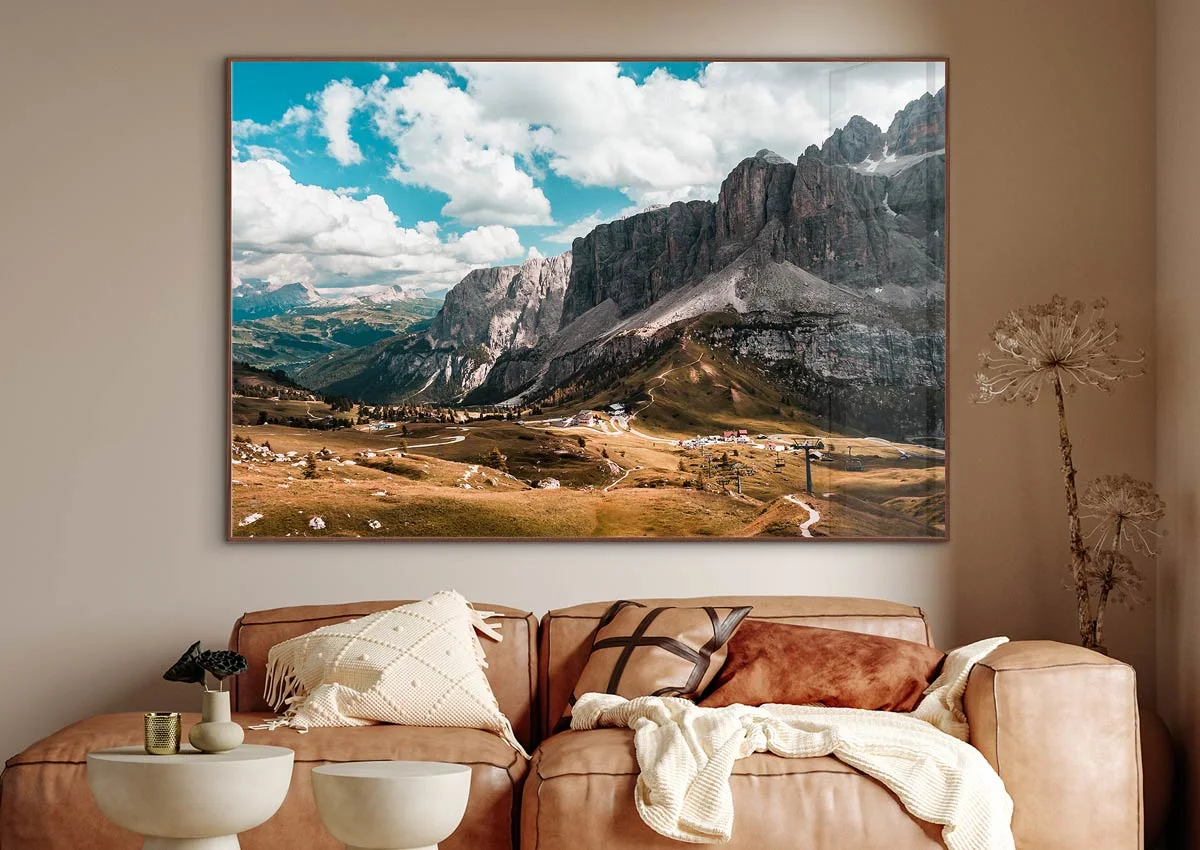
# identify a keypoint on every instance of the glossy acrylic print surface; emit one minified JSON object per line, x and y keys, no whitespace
{"x":584,"y":299}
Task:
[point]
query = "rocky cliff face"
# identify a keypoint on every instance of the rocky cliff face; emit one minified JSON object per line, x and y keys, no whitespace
{"x":857,"y":141}
{"x":504,"y":307}
{"x":919,"y":127}
{"x":832,"y":221}
{"x":489,"y":312}
{"x":635,"y":261}
{"x":869,"y":347}
{"x":843,"y":251}
{"x":885,"y":381}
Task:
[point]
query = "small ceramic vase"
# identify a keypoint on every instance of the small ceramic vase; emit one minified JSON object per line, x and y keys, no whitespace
{"x":216,"y":732}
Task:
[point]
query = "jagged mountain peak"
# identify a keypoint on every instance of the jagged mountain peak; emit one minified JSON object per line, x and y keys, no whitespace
{"x":920,"y":127}
{"x":857,"y":141}
{"x":768,"y":155}
{"x":851,"y":229}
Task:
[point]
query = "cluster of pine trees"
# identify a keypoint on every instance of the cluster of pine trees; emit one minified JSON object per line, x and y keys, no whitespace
{"x":267,"y":391}
{"x":326,"y":423}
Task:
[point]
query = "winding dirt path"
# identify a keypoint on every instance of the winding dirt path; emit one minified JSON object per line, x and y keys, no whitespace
{"x":446,"y":441}
{"x":662,"y":379}
{"x":622,"y":478}
{"x":814,"y":516}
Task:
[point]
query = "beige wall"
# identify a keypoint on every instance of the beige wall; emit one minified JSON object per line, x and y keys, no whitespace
{"x":112,"y":324}
{"x":1179,"y":355}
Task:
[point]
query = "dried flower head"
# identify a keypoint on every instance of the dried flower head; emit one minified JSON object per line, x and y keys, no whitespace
{"x":222,"y":663}
{"x":1037,"y":345}
{"x":1113,"y":574}
{"x":187,"y":669}
{"x":1125,"y":510}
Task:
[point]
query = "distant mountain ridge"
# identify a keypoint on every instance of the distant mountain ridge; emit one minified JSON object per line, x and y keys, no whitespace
{"x":258,"y":299}
{"x":834,"y":264}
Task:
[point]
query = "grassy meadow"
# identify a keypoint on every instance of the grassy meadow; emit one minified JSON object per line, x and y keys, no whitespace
{"x":597,"y":481}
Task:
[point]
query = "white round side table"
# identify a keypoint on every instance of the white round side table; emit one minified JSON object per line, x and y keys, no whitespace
{"x":391,"y":805}
{"x":193,"y":800}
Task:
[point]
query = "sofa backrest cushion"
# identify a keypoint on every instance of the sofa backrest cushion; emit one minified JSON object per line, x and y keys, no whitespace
{"x":567,"y":633}
{"x":511,"y":670}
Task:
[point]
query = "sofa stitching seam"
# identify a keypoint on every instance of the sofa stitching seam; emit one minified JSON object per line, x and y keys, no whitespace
{"x":44,"y":762}
{"x":535,"y":722}
{"x":365,"y":613}
{"x":915,"y":615}
{"x":1099,"y":665}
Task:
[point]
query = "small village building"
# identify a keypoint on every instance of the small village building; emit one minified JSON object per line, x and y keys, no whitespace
{"x":586,"y":417}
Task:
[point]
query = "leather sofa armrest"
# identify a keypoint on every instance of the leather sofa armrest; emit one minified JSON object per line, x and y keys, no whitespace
{"x":1059,"y":723}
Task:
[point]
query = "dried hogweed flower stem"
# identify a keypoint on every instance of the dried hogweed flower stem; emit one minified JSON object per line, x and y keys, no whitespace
{"x":1105,"y":588}
{"x":1078,"y":549}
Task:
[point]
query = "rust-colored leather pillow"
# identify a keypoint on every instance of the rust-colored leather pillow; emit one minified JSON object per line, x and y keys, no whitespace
{"x":803,"y":665}
{"x":664,"y":652}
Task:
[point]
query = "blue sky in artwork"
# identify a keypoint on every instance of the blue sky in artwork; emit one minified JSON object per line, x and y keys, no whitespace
{"x":263,"y":91}
{"x":351,"y":175}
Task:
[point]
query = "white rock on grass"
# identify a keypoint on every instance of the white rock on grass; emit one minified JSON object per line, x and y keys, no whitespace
{"x":316,"y":523}
{"x":375,"y":524}
{"x":249,"y":519}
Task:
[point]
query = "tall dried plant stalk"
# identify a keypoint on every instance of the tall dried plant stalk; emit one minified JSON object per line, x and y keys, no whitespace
{"x":1061,"y":345}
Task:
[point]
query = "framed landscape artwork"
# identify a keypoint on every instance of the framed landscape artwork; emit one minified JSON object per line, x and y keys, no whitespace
{"x":586,"y":299}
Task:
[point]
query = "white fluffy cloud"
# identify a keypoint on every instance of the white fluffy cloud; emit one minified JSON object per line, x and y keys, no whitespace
{"x":286,"y":231}
{"x":264,"y":152}
{"x":444,"y":142}
{"x":492,"y":147}
{"x":335,"y":104}
{"x":296,"y":117}
{"x":667,"y":139}
{"x":583,"y":226}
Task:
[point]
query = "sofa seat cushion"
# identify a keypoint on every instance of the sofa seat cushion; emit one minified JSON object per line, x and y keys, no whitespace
{"x":580,"y":794}
{"x":45,"y":802}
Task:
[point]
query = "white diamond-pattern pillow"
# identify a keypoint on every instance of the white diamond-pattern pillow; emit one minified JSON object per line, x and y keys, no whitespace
{"x":420,"y":664}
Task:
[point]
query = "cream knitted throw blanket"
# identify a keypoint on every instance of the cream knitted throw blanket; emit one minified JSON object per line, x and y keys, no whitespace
{"x":686,"y":755}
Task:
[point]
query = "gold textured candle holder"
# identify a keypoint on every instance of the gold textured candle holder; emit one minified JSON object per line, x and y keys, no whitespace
{"x":162,"y":732}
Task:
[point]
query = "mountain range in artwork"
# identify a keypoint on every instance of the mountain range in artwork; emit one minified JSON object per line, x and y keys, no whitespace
{"x":768,"y":362}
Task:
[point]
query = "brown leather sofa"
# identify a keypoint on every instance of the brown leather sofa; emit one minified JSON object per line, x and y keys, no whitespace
{"x":45,"y":803}
{"x":1058,"y":722}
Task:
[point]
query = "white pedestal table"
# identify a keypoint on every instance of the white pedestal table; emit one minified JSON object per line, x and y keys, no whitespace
{"x":193,"y":800}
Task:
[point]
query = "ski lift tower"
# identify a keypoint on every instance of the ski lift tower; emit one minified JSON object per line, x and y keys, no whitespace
{"x":737,"y":472}
{"x":807,"y":448}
